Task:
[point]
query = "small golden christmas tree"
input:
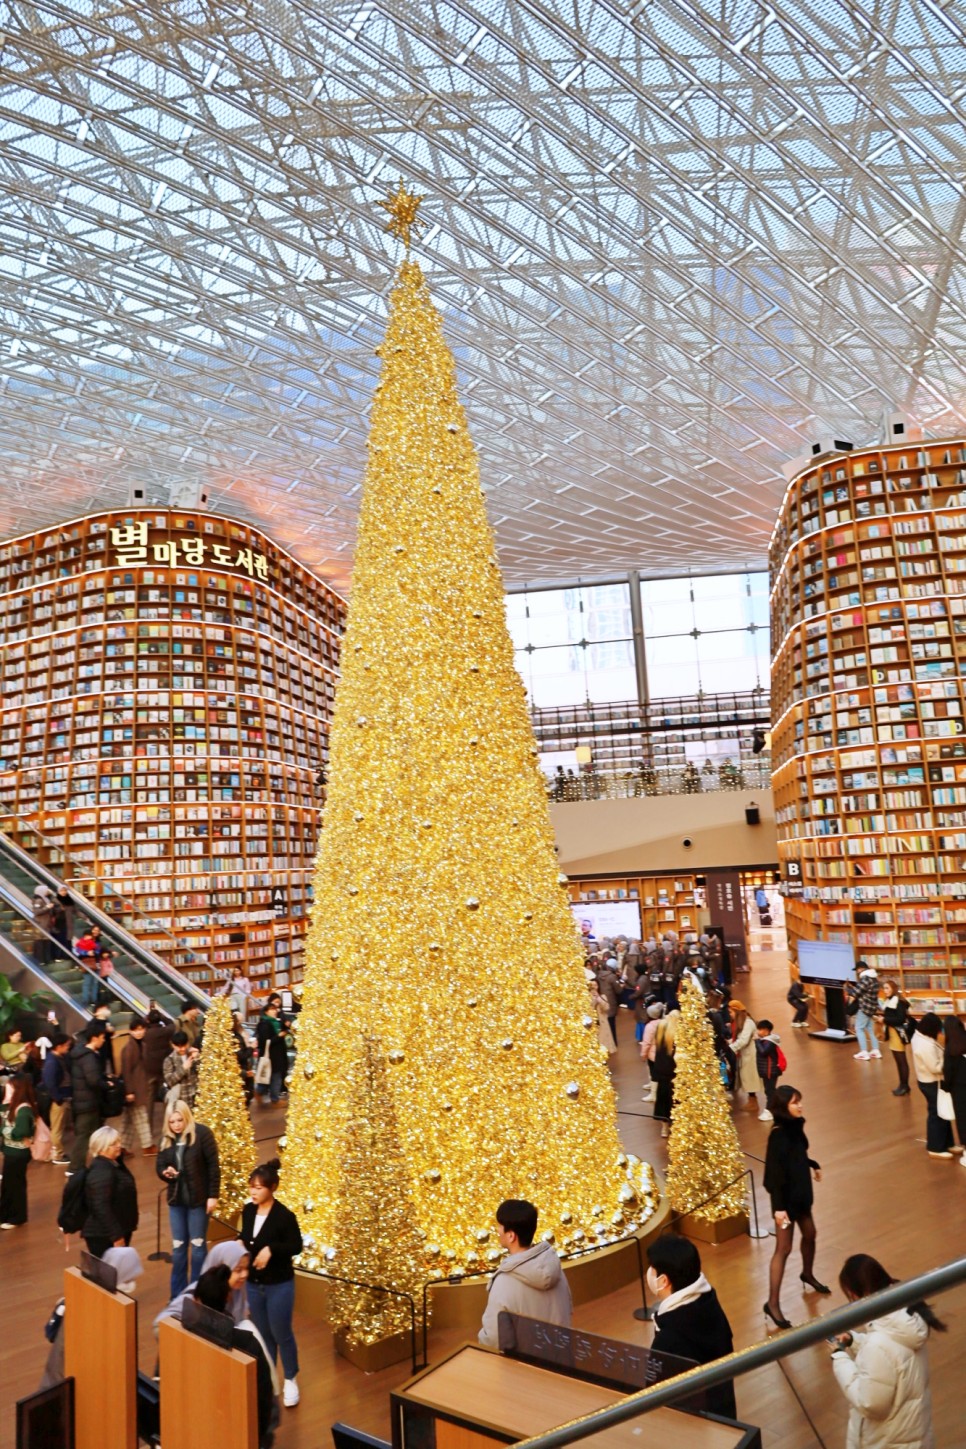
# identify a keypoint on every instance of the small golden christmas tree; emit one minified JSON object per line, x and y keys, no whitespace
{"x":376,"y":1240}
{"x":220,"y":1104}
{"x":440,"y":923}
{"x":704,"y":1154}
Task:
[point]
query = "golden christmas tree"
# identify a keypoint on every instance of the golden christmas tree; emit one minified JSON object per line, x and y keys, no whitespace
{"x":440,"y":922}
{"x":376,"y":1224}
{"x":704,"y":1154}
{"x":220,"y":1104}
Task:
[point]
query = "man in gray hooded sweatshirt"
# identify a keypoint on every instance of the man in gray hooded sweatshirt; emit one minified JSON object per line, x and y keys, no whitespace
{"x":530,"y":1279}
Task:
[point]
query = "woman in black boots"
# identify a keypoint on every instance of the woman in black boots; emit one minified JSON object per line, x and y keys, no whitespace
{"x":898,"y":1025}
{"x":788,"y":1181}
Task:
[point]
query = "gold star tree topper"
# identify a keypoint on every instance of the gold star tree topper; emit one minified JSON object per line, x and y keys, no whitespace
{"x":402,"y":208}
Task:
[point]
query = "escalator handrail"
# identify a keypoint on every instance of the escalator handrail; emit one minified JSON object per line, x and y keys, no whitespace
{"x":117,"y":983}
{"x":182,"y":988}
{"x":110,"y":888}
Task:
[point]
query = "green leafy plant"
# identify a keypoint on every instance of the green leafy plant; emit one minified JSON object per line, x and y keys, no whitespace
{"x":13,"y":1004}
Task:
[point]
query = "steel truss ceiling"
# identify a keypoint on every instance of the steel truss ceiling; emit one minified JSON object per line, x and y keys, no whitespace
{"x":674,"y":241}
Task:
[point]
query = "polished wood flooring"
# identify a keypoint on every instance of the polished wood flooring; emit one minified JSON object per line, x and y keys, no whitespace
{"x":880,"y":1193}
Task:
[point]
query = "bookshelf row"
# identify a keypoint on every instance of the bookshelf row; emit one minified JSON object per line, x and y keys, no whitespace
{"x":167,"y":738}
{"x":868,"y":745}
{"x":871,"y":483}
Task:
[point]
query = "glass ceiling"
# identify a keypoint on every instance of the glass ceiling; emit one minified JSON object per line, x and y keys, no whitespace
{"x":674,"y":241}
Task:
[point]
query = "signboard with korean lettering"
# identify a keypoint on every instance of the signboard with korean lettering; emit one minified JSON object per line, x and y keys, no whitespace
{"x":132,"y":547}
{"x":725,"y":909}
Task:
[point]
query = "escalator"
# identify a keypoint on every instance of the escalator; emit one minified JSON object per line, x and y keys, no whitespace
{"x":139,"y":977}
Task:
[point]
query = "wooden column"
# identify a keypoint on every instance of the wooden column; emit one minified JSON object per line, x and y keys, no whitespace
{"x":101,"y":1355}
{"x":209,"y":1395}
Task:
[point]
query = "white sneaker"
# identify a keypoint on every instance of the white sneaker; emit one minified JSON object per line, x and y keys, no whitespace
{"x":765,"y":1116}
{"x":876,"y":1055}
{"x":5,"y":1226}
{"x":962,"y":1161}
{"x":290,"y":1393}
{"x":861,"y":1056}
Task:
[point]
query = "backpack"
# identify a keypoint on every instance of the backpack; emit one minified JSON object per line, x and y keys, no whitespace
{"x":73,"y":1204}
{"x":782,"y":1059}
{"x":112,"y":1097}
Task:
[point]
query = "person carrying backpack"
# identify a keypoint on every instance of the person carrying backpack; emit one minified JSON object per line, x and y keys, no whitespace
{"x":771,"y":1063}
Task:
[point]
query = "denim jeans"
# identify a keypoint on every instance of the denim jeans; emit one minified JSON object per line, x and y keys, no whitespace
{"x":865,"y":1033}
{"x":270,"y":1305}
{"x":90,"y":989}
{"x":939,"y":1132}
{"x":274,"y":1089}
{"x":189,"y":1227}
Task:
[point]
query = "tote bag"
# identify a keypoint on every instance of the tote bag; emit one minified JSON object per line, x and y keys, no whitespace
{"x":944,"y":1106}
{"x":263,"y":1072}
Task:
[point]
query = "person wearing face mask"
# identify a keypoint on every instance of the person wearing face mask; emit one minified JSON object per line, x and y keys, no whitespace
{"x":271,"y":1234}
{"x":788,"y":1181}
{"x":688,"y":1319}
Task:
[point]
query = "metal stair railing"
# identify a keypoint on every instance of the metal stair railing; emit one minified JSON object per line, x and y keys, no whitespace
{"x":167,"y":976}
{"x":117,"y":984}
{"x":772,"y":1350}
{"x":109,"y":888}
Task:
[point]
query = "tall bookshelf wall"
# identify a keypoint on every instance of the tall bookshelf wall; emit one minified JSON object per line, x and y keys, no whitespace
{"x":868,"y":615}
{"x":168,"y":684}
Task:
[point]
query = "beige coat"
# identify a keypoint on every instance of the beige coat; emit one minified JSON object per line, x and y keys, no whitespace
{"x":743,"y":1047}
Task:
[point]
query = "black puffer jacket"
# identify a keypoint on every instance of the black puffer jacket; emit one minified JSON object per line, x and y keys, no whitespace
{"x":87,"y":1078}
{"x":200,"y":1170}
{"x":112,"y":1200}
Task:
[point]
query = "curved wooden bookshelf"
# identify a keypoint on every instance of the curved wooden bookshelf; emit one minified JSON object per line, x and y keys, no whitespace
{"x":169,"y":678}
{"x":868,"y":611}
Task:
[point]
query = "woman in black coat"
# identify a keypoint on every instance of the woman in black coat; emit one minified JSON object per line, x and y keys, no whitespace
{"x":271,"y":1233}
{"x":788,"y":1181}
{"x":188,"y":1163}
{"x":954,"y":1071}
{"x":110,"y":1193}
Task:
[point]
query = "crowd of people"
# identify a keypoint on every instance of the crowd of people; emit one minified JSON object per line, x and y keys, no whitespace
{"x":644,"y":977}
{"x":110,"y":1100}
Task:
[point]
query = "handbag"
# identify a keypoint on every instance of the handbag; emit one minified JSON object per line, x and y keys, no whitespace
{"x":41,"y":1149}
{"x":263,"y":1072}
{"x":944,"y":1105}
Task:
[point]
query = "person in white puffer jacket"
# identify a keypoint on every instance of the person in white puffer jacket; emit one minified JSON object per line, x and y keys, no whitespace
{"x":883,"y":1369}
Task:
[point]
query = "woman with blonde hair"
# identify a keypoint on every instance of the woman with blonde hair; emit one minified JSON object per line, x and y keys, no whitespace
{"x":743,"y":1035}
{"x":110,"y":1193}
{"x":663,"y":1068}
{"x":188,"y":1163}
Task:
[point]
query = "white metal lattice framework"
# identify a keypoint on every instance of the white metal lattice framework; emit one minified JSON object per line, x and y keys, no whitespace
{"x":675,"y":241}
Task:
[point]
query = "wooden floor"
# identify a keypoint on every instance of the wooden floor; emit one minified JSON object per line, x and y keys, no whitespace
{"x":880,"y":1194}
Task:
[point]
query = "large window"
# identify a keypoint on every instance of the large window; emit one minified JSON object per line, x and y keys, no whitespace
{"x":706,"y":635}
{"x":574,"y":645}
